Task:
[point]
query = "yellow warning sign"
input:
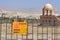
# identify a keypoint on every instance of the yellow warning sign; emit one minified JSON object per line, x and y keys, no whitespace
{"x":19,"y":28}
{"x":23,"y":27}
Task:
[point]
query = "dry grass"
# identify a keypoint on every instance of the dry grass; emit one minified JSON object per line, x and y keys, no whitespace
{"x":57,"y":29}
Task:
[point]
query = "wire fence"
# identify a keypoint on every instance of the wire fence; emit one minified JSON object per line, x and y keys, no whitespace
{"x":34,"y":31}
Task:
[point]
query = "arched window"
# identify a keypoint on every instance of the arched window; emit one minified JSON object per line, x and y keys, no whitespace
{"x":49,"y":21}
{"x":54,"y":22}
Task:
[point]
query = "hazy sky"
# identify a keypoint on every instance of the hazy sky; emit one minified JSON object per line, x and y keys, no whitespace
{"x":28,"y":4}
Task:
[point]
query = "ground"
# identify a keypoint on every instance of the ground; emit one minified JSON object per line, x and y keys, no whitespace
{"x":35,"y":33}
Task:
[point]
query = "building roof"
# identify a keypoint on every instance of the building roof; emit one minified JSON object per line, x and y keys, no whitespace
{"x":48,"y":7}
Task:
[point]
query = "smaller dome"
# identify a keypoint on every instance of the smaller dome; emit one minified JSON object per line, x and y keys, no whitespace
{"x":48,"y":7}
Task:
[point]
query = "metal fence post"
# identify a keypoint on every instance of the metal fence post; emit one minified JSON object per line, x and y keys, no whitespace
{"x":11,"y":28}
{"x":6,"y":30}
{"x":0,"y":27}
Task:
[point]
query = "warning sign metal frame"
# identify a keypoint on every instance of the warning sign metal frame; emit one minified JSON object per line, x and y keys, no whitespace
{"x":22,"y":28}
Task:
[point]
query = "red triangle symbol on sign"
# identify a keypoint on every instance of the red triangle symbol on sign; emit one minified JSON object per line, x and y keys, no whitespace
{"x":16,"y":26}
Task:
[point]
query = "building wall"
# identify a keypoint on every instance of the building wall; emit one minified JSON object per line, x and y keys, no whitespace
{"x":48,"y":20}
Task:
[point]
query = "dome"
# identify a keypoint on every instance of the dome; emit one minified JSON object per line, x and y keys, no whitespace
{"x":48,"y":7}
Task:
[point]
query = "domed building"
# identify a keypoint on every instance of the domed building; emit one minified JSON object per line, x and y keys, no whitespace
{"x":47,"y":18}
